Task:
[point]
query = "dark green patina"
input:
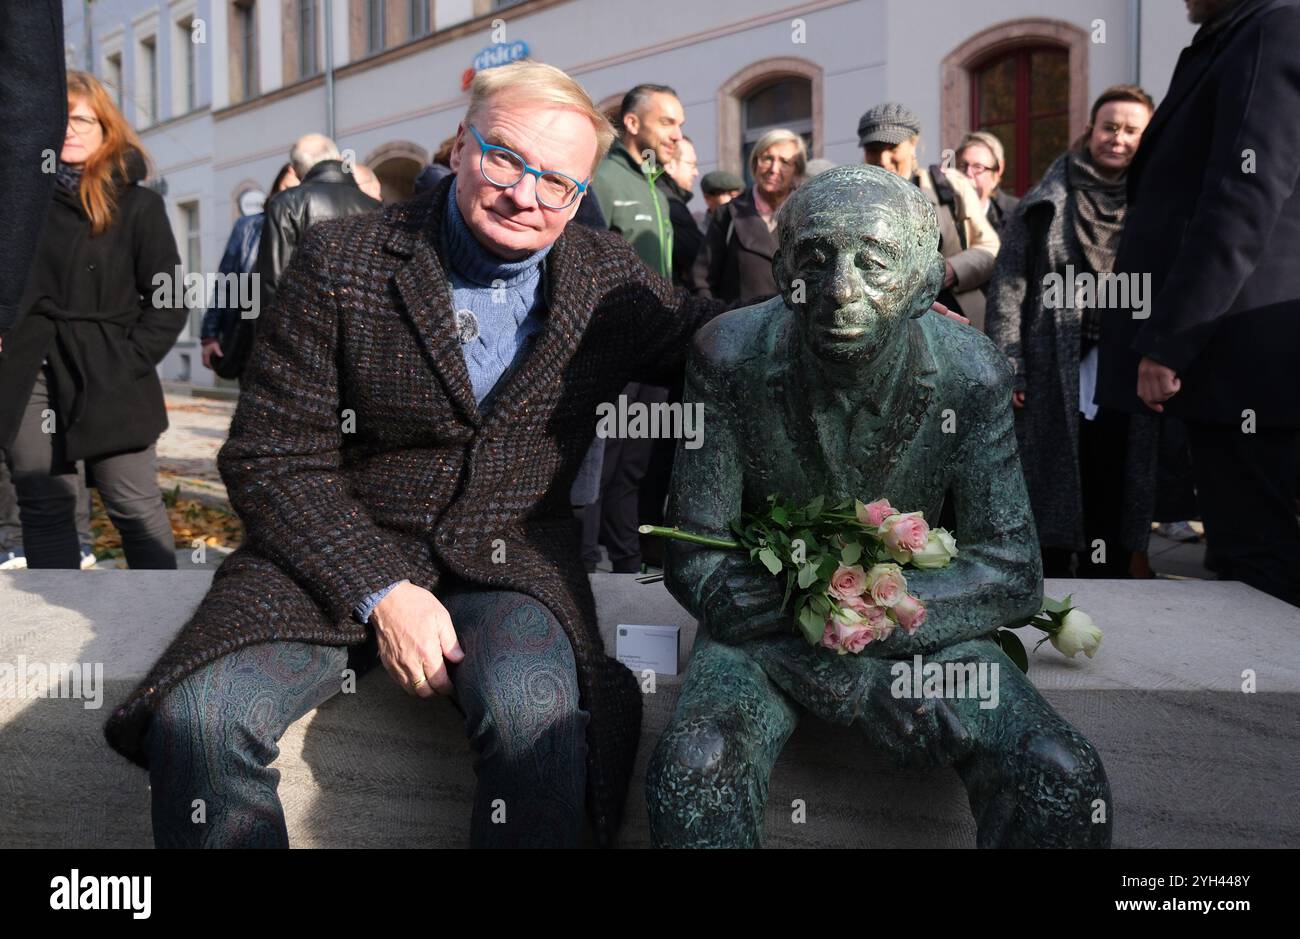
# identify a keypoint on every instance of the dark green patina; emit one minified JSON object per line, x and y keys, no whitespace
{"x":845,"y":386}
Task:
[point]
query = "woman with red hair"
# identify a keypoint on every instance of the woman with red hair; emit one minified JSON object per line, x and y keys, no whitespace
{"x":77,"y":376}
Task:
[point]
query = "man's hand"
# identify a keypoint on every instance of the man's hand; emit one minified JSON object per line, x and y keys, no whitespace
{"x":942,"y":310}
{"x":211,"y":347}
{"x":1017,"y":399}
{"x":1156,"y":383}
{"x":415,"y":636}
{"x":949,"y":274}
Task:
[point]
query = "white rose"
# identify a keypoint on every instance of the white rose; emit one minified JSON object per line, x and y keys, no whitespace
{"x":1078,"y":633}
{"x":940,"y":548}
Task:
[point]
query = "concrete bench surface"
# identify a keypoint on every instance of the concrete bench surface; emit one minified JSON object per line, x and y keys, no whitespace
{"x":1193,"y":760}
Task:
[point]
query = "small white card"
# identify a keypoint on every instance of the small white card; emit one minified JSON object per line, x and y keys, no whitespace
{"x":648,"y":647}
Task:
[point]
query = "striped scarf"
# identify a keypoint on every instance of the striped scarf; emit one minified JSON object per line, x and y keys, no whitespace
{"x":1097,"y":207}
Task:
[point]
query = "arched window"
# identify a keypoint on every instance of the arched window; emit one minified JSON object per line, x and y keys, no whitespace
{"x":1025,"y":81}
{"x":1023,"y":96}
{"x":786,"y":103}
{"x":784,"y":91}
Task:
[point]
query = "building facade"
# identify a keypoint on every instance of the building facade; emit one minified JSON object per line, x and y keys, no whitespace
{"x":220,"y":89}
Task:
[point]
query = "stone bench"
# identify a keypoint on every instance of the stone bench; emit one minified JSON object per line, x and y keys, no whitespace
{"x":1193,"y":761}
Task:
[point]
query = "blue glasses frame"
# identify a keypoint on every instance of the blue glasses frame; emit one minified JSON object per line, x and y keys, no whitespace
{"x":484,"y":147}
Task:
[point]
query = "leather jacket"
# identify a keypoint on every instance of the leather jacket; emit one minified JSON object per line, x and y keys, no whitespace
{"x":239,"y":258}
{"x":326,"y":192}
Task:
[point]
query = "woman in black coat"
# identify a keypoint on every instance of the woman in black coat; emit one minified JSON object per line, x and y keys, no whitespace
{"x":78,"y":376}
{"x":735,"y":259}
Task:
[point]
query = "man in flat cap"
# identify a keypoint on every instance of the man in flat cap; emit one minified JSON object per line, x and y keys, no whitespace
{"x":889,"y":135}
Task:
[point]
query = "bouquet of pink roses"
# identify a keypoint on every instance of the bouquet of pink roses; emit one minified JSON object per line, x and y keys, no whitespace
{"x":843,"y":564}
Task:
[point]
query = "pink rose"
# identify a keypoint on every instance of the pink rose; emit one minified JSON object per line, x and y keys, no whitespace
{"x":851,"y":626}
{"x":873,"y":513}
{"x":910,"y":613}
{"x":886,"y":584}
{"x":856,"y":639}
{"x":829,"y":639}
{"x":903,"y":534}
{"x":848,"y":582}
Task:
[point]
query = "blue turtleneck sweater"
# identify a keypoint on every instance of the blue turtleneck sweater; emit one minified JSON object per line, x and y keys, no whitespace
{"x":505,"y":298}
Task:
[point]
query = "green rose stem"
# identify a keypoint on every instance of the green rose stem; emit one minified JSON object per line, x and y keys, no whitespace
{"x":678,"y":535}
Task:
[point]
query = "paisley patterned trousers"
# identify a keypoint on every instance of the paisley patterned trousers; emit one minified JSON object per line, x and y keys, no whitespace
{"x":214,"y":736}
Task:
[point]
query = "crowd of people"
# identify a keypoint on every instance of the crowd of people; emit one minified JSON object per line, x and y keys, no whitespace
{"x":81,"y":401}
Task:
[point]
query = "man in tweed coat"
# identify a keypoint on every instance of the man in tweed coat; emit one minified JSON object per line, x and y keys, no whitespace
{"x":417,"y":405}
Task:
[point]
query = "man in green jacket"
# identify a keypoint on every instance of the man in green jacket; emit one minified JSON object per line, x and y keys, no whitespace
{"x":650,"y":127}
{"x":650,"y":122}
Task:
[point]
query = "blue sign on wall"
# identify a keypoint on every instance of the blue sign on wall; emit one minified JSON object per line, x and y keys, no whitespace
{"x":501,"y":53}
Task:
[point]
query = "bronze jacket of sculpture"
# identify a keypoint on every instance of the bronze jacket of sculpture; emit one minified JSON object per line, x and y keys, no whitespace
{"x":774,"y":439}
{"x":424,"y":485}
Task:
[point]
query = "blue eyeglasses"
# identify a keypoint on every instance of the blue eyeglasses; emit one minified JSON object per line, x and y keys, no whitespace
{"x":504,"y":168}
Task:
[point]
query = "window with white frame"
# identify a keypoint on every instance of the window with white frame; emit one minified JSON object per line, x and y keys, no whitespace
{"x":146,"y":80}
{"x":185,"y":92}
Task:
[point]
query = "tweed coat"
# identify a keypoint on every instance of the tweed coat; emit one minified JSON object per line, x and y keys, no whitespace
{"x":1042,"y":345}
{"x":423,"y":484}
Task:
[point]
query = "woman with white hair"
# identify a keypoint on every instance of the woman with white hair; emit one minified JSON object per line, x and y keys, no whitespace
{"x":735,"y":260}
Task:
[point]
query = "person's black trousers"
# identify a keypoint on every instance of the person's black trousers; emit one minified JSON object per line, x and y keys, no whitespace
{"x":626,"y":461}
{"x":1246,"y":484}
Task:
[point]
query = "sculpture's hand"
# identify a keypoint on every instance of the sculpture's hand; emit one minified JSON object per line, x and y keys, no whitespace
{"x":859,"y":691}
{"x":748,"y":605}
{"x":415,"y":636}
{"x":916,"y":731}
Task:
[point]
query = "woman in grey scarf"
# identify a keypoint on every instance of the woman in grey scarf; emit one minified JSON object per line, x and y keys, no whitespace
{"x":1090,"y":471}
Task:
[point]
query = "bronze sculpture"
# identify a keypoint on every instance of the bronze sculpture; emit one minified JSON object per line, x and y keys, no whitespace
{"x":843,"y":387}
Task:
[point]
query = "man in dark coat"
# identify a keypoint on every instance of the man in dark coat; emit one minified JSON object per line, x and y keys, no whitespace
{"x":1214,"y":220}
{"x":375,"y":481}
{"x":327,"y":191}
{"x":33,"y":114}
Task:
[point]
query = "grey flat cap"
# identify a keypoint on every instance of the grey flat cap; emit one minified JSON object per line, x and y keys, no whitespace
{"x":888,"y":123}
{"x":720,"y":181}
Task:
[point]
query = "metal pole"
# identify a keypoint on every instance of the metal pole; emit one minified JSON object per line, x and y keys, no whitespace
{"x":329,"y":68}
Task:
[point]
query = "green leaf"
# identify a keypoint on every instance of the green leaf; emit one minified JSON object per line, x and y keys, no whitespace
{"x":852,"y":551}
{"x":820,"y":605}
{"x":807,"y":576}
{"x":770,"y":560}
{"x":779,"y":515}
{"x":812,"y":626}
{"x":815,"y":507}
{"x":827,"y":565}
{"x":1053,"y":606}
{"x":1014,"y":649}
{"x":789,"y":589}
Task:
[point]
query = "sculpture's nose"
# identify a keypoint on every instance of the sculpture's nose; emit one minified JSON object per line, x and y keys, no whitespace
{"x":844,"y":287}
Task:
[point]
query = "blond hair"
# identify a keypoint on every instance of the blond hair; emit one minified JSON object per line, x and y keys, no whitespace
{"x":539,"y":84}
{"x":771,"y":139}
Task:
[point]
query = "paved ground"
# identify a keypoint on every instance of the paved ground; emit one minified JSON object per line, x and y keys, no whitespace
{"x":187,"y":455}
